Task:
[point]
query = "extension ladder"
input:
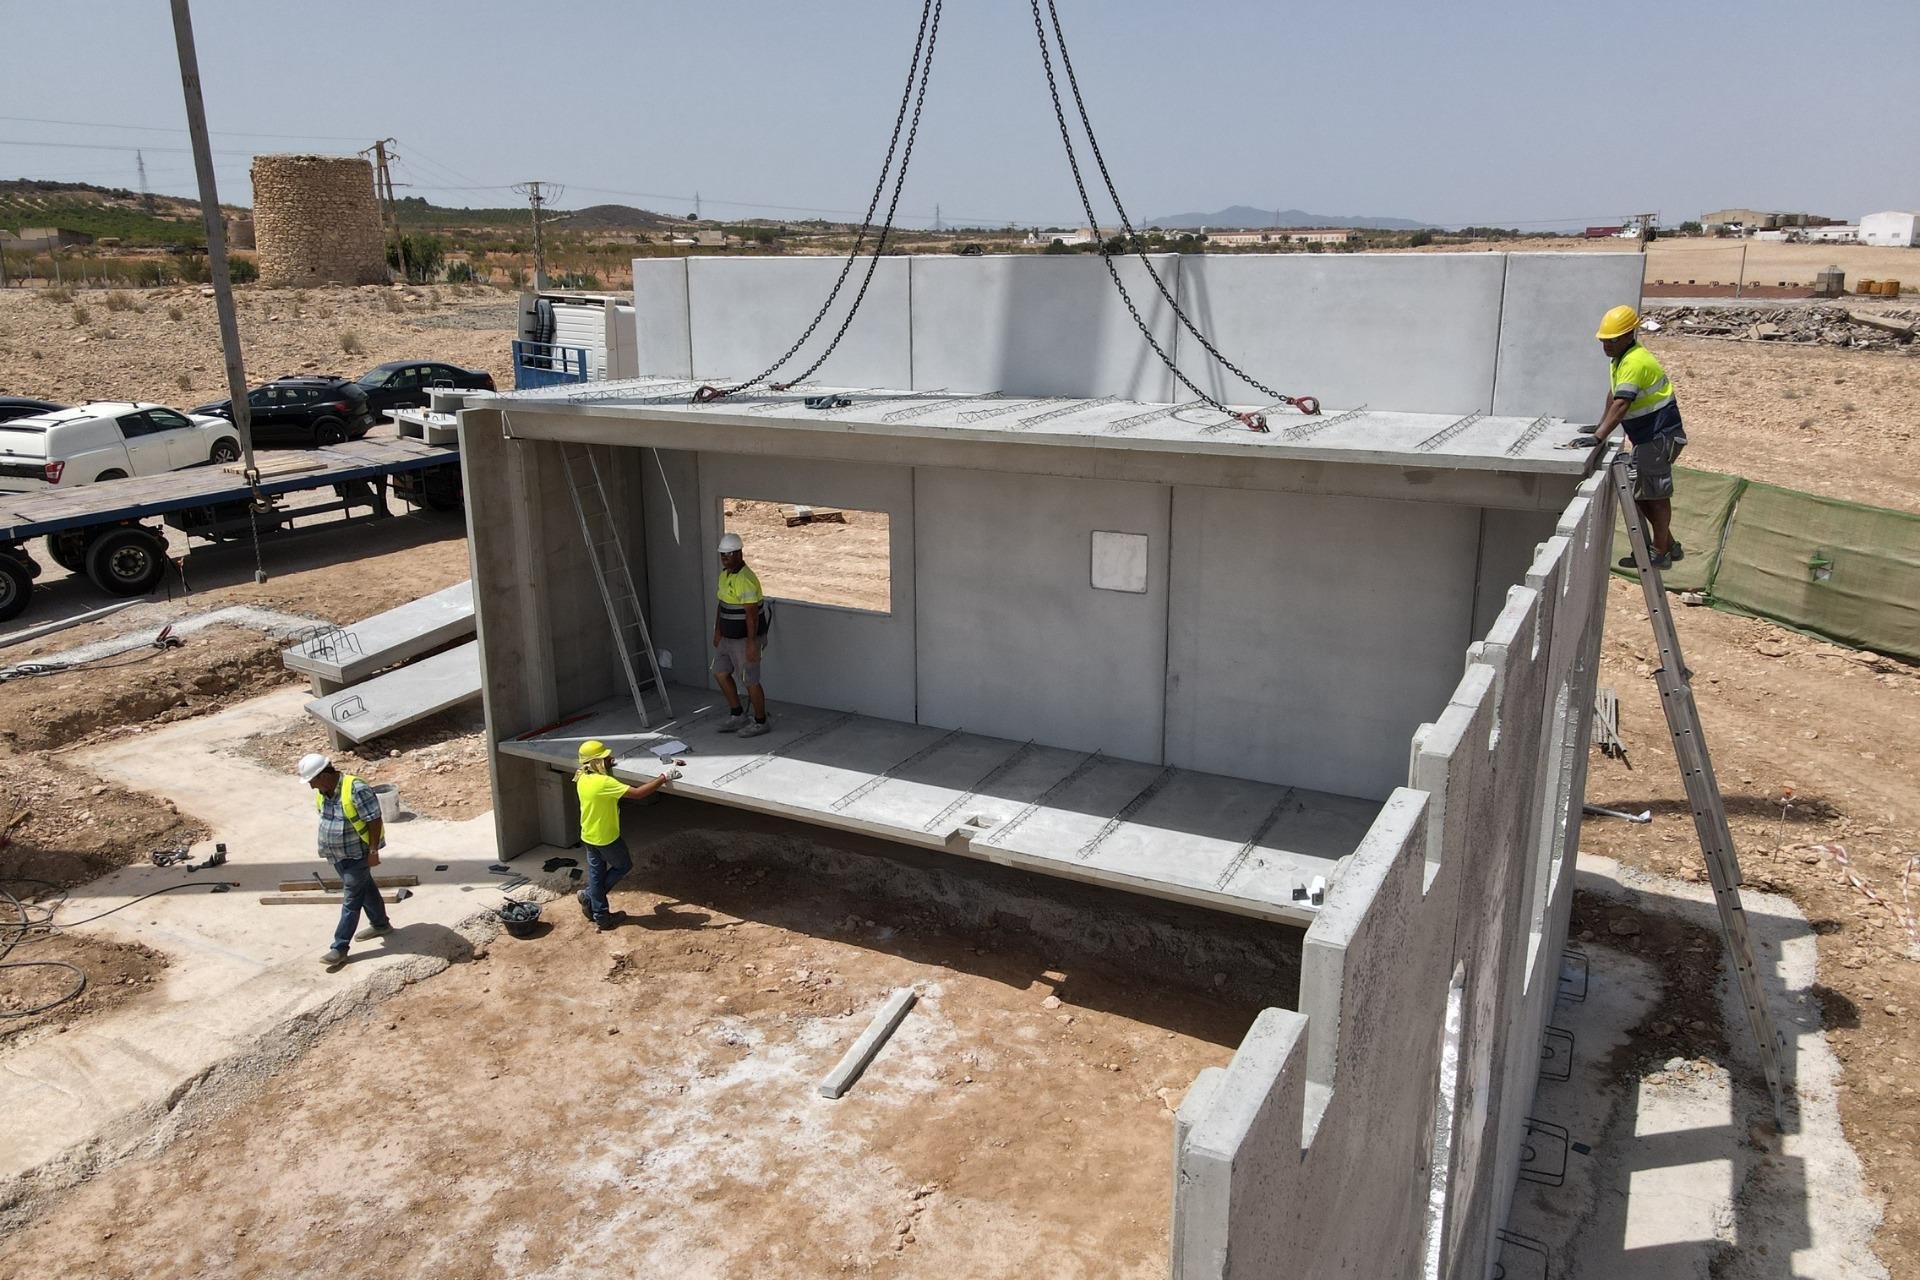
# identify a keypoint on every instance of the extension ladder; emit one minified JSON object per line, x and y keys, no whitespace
{"x":610,"y":573}
{"x":1703,"y":791}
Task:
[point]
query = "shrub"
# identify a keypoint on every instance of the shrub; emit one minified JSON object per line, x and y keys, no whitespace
{"x":118,"y":302}
{"x":350,"y":343}
{"x":184,"y":382}
{"x":242,"y":270}
{"x":576,"y":280}
{"x":151,"y":272}
{"x":81,"y":315}
{"x":424,"y":255}
{"x":175,"y":313}
{"x":392,"y":301}
{"x":1420,"y":239}
{"x":56,"y":295}
{"x":460,"y":273}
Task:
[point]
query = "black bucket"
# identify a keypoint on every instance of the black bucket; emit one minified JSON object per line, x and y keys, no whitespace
{"x":521,"y":919}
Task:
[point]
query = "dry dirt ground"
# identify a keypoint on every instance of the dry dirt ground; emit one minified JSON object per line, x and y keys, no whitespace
{"x":1708,"y":260}
{"x":127,"y":344}
{"x":643,"y":1103}
{"x":830,"y":562}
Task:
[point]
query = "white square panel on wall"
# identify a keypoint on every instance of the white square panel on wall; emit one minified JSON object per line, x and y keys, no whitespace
{"x":1120,"y":561}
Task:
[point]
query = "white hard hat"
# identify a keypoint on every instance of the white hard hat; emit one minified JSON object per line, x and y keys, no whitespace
{"x":730,"y":542}
{"x":312,"y":765}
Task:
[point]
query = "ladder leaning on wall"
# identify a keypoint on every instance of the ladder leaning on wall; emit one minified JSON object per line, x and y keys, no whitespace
{"x":608,"y":556}
{"x":1703,"y":791}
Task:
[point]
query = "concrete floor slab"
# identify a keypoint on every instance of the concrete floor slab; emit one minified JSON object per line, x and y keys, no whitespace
{"x":239,"y":974}
{"x":1206,"y":839}
{"x":375,"y":643}
{"x":401,"y":696}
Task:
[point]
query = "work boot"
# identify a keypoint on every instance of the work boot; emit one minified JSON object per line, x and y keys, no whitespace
{"x":735,"y":721}
{"x":755,"y":728}
{"x":334,"y":958}
{"x":586,"y":908}
{"x":1675,"y":551}
{"x":373,"y":931}
{"x":608,"y":922}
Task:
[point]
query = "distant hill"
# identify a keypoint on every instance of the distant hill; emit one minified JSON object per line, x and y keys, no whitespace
{"x":100,"y":211}
{"x":1241,"y":215}
{"x":613,"y":217}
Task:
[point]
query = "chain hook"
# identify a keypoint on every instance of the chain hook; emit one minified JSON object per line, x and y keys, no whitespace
{"x":1253,"y":421}
{"x":1308,"y":405}
{"x":707,"y":395}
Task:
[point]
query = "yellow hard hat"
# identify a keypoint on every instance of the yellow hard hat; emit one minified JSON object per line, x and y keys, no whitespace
{"x":1618,"y":322}
{"x":594,"y":749}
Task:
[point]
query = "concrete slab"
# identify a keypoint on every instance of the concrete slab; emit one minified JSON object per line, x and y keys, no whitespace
{"x":401,"y":696}
{"x":662,"y":337}
{"x":385,"y":639}
{"x":1549,"y":360}
{"x":1203,"y":839}
{"x":242,"y":979}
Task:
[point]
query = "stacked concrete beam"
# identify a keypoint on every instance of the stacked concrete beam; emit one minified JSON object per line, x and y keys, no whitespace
{"x":316,"y":221}
{"x":1467,"y":873}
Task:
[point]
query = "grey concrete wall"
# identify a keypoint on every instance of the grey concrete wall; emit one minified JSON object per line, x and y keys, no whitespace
{"x":1013,"y":640}
{"x":680,"y":563}
{"x":1441,"y":332}
{"x":1310,"y":636}
{"x":822,"y":655}
{"x":1508,"y":539}
{"x":1390,"y":331}
{"x":1311,"y":1156}
{"x":1550,"y":362}
{"x":745,"y":311}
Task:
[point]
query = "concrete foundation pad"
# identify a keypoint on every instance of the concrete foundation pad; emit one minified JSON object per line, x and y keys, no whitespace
{"x":243,"y":987}
{"x":1189,"y":837}
{"x":401,"y":696}
{"x":385,"y":639}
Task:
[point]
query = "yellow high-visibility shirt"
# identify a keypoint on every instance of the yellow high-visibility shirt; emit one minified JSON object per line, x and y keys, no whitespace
{"x":599,"y":807}
{"x":1653,"y":409}
{"x":736,"y":592}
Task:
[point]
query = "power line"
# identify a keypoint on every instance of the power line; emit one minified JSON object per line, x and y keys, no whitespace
{"x":106,"y":146}
{"x":180,"y":129}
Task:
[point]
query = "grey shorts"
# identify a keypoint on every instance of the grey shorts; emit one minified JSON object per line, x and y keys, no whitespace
{"x":731,"y":658}
{"x":1652,"y":466}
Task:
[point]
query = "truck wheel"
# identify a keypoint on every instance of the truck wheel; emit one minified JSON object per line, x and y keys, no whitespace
{"x":68,"y":550}
{"x":226,"y":449}
{"x":16,"y":588}
{"x":111,"y":475}
{"x":441,"y":490}
{"x":127,"y":561}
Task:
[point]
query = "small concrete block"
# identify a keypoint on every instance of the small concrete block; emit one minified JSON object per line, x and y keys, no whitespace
{"x":841,"y":1078}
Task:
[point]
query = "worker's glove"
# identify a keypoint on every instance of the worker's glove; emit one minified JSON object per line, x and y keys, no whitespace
{"x":1585,"y":441}
{"x":672,"y":775}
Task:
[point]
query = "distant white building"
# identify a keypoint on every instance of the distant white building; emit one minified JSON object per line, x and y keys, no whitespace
{"x":1829,"y":235}
{"x":1898,"y":230}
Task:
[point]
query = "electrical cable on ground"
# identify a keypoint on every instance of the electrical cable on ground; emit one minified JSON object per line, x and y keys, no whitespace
{"x":35,"y":923}
{"x":916,"y":69}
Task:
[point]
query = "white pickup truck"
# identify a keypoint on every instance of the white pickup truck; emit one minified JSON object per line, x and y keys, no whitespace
{"x":108,"y":440}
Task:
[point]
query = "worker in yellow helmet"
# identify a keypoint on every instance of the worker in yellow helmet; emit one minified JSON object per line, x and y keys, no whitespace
{"x":1641,"y":399}
{"x":607,"y":855}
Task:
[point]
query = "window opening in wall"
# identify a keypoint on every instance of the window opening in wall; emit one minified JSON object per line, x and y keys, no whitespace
{"x":814,"y":554}
{"x":1440,"y":1150}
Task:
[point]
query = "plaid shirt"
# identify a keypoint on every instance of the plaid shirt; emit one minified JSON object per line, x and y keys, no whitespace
{"x":339,"y":842}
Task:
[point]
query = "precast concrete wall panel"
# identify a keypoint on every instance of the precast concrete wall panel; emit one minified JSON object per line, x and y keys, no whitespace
{"x":1507,"y":542}
{"x":1014,"y":640}
{"x":744,"y":312}
{"x":1412,"y":332}
{"x":826,"y":655}
{"x":680,"y":564}
{"x":1550,"y":362}
{"x":663,"y":340}
{"x":1040,"y":325}
{"x":1309,"y":636}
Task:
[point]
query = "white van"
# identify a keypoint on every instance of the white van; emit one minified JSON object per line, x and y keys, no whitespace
{"x":108,"y":440}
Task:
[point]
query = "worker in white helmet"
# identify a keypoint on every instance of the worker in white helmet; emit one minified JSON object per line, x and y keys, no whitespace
{"x":740,"y":627}
{"x":351,"y":834}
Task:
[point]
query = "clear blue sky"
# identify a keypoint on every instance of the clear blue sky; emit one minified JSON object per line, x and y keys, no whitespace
{"x":1534,"y":114}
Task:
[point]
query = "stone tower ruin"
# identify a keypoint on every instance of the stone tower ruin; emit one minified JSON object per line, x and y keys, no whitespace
{"x":316,"y":221}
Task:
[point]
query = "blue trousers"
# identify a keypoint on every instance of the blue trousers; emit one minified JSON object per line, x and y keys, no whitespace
{"x":606,"y":863}
{"x":358,"y":893}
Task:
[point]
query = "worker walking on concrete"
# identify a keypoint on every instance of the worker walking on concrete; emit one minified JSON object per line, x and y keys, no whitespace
{"x":740,"y":629}
{"x":1642,"y":400}
{"x":351,"y":833}
{"x":607,"y":855}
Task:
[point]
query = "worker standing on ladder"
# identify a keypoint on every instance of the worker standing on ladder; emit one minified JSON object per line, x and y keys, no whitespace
{"x":740,"y":626}
{"x":1642,"y":400}
{"x":607,"y":856}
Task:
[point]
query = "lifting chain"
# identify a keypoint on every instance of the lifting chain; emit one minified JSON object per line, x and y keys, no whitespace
{"x":1252,"y":421}
{"x":918,"y":69}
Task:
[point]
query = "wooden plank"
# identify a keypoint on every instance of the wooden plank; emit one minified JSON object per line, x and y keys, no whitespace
{"x":310,"y":899}
{"x":841,"y":1078}
{"x":333,"y":882}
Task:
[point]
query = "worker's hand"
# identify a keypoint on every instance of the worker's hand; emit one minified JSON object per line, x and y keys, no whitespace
{"x":671,"y":775}
{"x":716,"y":637}
{"x":1585,"y":441}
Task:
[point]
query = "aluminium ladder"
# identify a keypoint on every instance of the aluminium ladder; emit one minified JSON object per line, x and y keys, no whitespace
{"x":610,"y":573}
{"x":1703,"y":791}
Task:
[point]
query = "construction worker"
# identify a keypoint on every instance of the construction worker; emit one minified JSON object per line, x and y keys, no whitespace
{"x":607,"y":855}
{"x":351,"y":834}
{"x":740,"y":627}
{"x":1642,"y":400}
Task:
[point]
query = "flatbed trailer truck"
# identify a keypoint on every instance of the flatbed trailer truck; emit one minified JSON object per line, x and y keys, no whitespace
{"x":107,"y":531}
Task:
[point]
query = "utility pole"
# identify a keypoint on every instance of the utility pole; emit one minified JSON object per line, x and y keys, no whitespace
{"x":146,"y":196}
{"x":383,"y":191}
{"x":538,"y":194}
{"x":936,"y":218}
{"x":216,"y":247}
{"x":696,"y":206}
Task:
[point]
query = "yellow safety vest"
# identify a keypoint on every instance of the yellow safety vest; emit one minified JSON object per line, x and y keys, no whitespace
{"x":346,"y":807}
{"x":1639,"y":372}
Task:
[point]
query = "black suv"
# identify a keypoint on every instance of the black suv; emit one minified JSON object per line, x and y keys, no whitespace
{"x":404,"y":384}
{"x":306,"y":409}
